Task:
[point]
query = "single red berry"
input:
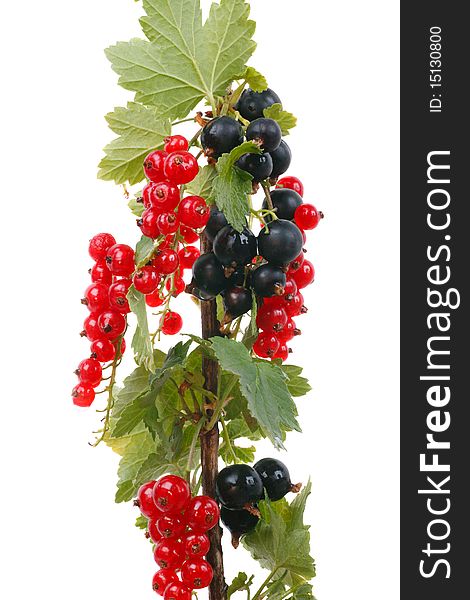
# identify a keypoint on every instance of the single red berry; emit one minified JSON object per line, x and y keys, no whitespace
{"x":90,"y":328}
{"x":189,"y":235}
{"x":112,"y":324}
{"x":172,"y":323}
{"x":118,"y":295}
{"x":282,"y":352}
{"x":99,"y":245}
{"x":307,"y":216}
{"x":169,"y":553}
{"x":171,"y":526}
{"x":168,"y":223}
{"x":292,"y":183}
{"x":120,"y":260}
{"x":96,"y":297}
{"x":153,"y":165}
{"x":152,"y":531}
{"x":188,"y":256}
{"x":175,"y":143}
{"x":148,"y":223}
{"x":90,"y":372}
{"x":288,"y":332}
{"x":166,"y":261}
{"x":266,"y":345}
{"x":145,"y":501}
{"x":296,"y":264}
{"x":100,"y":273}
{"x":103,"y":350}
{"x":168,"y":242}
{"x":295,"y":306}
{"x":194,"y":212}
{"x":83,"y":395}
{"x":305,"y":275}
{"x":180,"y":167}
{"x":146,"y":280}
{"x":171,"y":494}
{"x":147,"y":193}
{"x":271,"y":318}
{"x":164,"y":196}
{"x":177,"y":591}
{"x":202,"y":513}
{"x":120,"y":351}
{"x":196,"y":573}
{"x":290,"y":289}
{"x":154,"y":299}
{"x":162,"y":579}
{"x":196,"y":544}
{"x":177,"y":286}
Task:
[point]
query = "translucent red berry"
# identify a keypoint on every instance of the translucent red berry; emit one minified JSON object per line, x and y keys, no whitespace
{"x":196,"y":544}
{"x":296,"y":263}
{"x":90,"y":372}
{"x":194,"y":212}
{"x":167,"y":222}
{"x":112,"y":324}
{"x":288,"y":332}
{"x":146,"y":280}
{"x":83,"y":395}
{"x":305,"y":275}
{"x":162,"y":579}
{"x":295,"y":306}
{"x":148,"y":223}
{"x":99,"y":245}
{"x":282,"y":352}
{"x":171,"y":526}
{"x":189,"y":235}
{"x":196,"y":573}
{"x":90,"y":328}
{"x":169,"y":553}
{"x":176,"y":286}
{"x":145,"y":501}
{"x":103,"y":350}
{"x":202,"y":513}
{"x":120,"y":260}
{"x":266,"y":345}
{"x":175,"y":143}
{"x":177,"y":591}
{"x":271,"y":318}
{"x":292,"y":183}
{"x":118,"y":295}
{"x":164,"y":196}
{"x":154,"y":299}
{"x":172,"y":323}
{"x":307,"y":216}
{"x":153,"y":165}
{"x":188,"y":256}
{"x":100,"y":273}
{"x":166,"y":261}
{"x":152,"y":530}
{"x":180,"y":167}
{"x":171,"y":494}
{"x":96,"y":297}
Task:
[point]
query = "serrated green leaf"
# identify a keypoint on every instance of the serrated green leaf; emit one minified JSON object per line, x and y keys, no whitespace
{"x":141,"y":342}
{"x":133,"y":415}
{"x":141,"y":522}
{"x":140,"y":131}
{"x":298,"y":386}
{"x":255,"y":80}
{"x":202,"y":184}
{"x":285,"y":120}
{"x":239,"y":583}
{"x":242,"y":454}
{"x":134,"y":453}
{"x":144,"y":250}
{"x":137,"y":208}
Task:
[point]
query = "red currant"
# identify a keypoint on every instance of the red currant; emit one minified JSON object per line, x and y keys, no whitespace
{"x":145,"y":501}
{"x":112,"y":324}
{"x":292,"y":183}
{"x":288,"y":332}
{"x":295,"y":307}
{"x":148,"y":223}
{"x":180,"y":167}
{"x":290,"y":289}
{"x":167,"y":223}
{"x":91,"y":329}
{"x":90,"y":372}
{"x":169,"y":553}
{"x":202,"y":513}
{"x":152,"y":531}
{"x":175,"y":143}
{"x":153,"y":165}
{"x":120,"y":260}
{"x":164,"y":196}
{"x":147,"y":193}
{"x":188,"y":234}
{"x":271,"y":318}
{"x":99,"y":245}
{"x":100,"y":273}
{"x":266,"y":345}
{"x":168,"y":242}
{"x":166,"y":261}
{"x":172,"y":323}
{"x":162,"y":579}
{"x":171,"y":494}
{"x":83,"y":395}
{"x":103,"y":350}
{"x":96,"y":297}
{"x":296,"y":264}
{"x":307,"y":216}
{"x":305,"y":275}
{"x":196,"y":573}
{"x":282,"y":352}
{"x":154,"y":299}
{"x":177,"y":591}
{"x":170,"y":526}
{"x":118,"y":295}
{"x":188,"y":256}
{"x":146,"y":280}
{"x":194,"y":212}
{"x":177,"y":286}
{"x":196,"y":544}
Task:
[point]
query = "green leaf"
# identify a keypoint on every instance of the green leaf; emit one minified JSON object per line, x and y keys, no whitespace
{"x":242,"y":455}
{"x":137,"y":208}
{"x":255,"y":80}
{"x":240,"y":582}
{"x":133,"y":415}
{"x":298,"y":386}
{"x":220,"y":308}
{"x":184,"y":61}
{"x":140,"y":131}
{"x":203,"y":183}
{"x":143,"y":251}
{"x":286,"y":120}
{"x":141,"y":342}
{"x":232,"y":186}
{"x":135,"y":451}
{"x":251,"y":332}
{"x":263,"y":385}
{"x":141,"y":522}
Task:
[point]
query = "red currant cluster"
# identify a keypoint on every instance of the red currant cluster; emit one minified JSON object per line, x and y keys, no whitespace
{"x":177,"y":525}
{"x":106,"y":300}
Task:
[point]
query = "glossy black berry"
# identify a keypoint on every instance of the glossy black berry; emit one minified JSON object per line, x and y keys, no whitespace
{"x":208,"y":274}
{"x":221,"y":135}
{"x":275,"y":477}
{"x":282,"y":243}
{"x":281,"y":158}
{"x":266,"y":131}
{"x":285,"y":201}
{"x":233,"y":248}
{"x":268,"y":280}
{"x":238,"y":486}
{"x":240,"y":277}
{"x":237,"y":301}
{"x":252,"y":104}
{"x":259,"y":166}
{"x":238,"y":522}
{"x":215,"y":223}
{"x":200,"y":295}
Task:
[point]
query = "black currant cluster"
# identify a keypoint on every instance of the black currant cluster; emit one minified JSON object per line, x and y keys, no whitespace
{"x":240,"y":487}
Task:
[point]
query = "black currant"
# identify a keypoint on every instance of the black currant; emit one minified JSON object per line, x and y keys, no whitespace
{"x":266,"y":131}
{"x":281,"y":158}
{"x":221,"y":135}
{"x":200,"y":295}
{"x":238,"y":486}
{"x":238,"y":522}
{"x":282,"y":243}
{"x":268,"y":280}
{"x":215,"y":223}
{"x":275,"y":478}
{"x":240,"y":277}
{"x":208,"y":274}
{"x":237,"y":301}
{"x":259,"y":166}
{"x":286,"y":202}
{"x":233,"y":248}
{"x":252,"y":104}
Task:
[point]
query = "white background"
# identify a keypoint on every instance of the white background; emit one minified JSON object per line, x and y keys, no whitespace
{"x":335,"y":65}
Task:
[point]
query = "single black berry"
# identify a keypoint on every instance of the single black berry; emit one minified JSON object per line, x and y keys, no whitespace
{"x":266,"y":131}
{"x":221,"y":135}
{"x":268,"y":280}
{"x":282,"y":243}
{"x":237,"y":301}
{"x":238,"y":486}
{"x":238,"y":522}
{"x":252,"y":104}
{"x":233,"y":248}
{"x":281,"y":158}
{"x":215,"y":223}
{"x":285,"y":201}
{"x":259,"y":166}
{"x":208,"y":274}
{"x":275,"y":477}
